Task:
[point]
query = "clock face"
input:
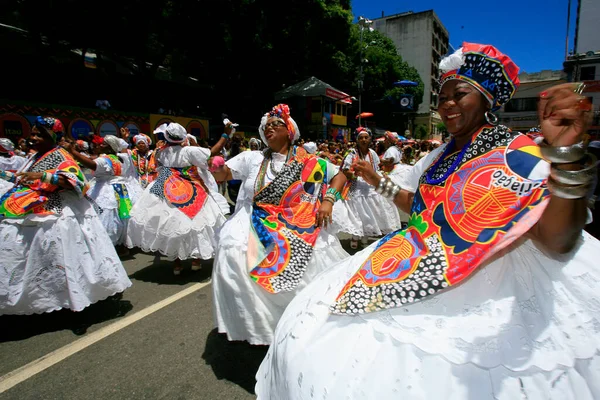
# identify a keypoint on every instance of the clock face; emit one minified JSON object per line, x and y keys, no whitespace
{"x":404,"y":102}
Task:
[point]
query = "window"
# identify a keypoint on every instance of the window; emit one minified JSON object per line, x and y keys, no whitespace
{"x":587,"y":73}
{"x":433,"y":100}
{"x":524,"y":104}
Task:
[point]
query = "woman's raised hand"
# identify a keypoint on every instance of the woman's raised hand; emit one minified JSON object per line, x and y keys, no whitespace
{"x":564,"y":114}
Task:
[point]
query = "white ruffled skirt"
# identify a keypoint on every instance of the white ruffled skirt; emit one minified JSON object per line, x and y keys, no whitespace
{"x":525,"y":326}
{"x":365,"y":213}
{"x":156,"y":225}
{"x":244,"y":310}
{"x":103,"y":194}
{"x":53,"y":262}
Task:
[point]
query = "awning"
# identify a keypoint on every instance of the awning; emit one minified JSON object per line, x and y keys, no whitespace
{"x":313,"y":87}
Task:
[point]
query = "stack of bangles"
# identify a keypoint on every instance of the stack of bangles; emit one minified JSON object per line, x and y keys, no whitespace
{"x":332,"y":195}
{"x":387,"y":188}
{"x":8,"y":176}
{"x":566,"y":183}
{"x":52,"y":179}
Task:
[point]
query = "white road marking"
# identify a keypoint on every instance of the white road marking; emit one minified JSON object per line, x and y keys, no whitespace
{"x":27,"y":371}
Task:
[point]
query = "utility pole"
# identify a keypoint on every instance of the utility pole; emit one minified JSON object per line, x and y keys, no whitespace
{"x":363,"y":23}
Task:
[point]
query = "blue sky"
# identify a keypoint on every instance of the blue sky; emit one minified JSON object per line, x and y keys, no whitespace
{"x":531,"y":32}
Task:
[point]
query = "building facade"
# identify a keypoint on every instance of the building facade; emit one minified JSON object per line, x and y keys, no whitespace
{"x":422,"y":40}
{"x":583,"y":64}
{"x":520,"y":113}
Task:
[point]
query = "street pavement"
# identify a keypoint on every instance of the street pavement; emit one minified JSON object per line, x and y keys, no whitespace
{"x":155,"y":341}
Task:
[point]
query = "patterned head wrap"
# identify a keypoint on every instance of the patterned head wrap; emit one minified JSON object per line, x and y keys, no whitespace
{"x":50,"y":125}
{"x":175,"y":133}
{"x":280,"y":111}
{"x":142,"y":138}
{"x":393,"y":136}
{"x":492,"y":73}
{"x":6,"y":146}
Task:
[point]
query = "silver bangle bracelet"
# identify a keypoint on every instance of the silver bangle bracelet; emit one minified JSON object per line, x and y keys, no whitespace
{"x":396,"y":189}
{"x":563,"y":154}
{"x":579,"y":177}
{"x":568,"y":192}
{"x":380,"y":186}
{"x":389,"y":186}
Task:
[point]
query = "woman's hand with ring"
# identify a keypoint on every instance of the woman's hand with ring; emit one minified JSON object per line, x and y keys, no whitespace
{"x":324,"y":215}
{"x":564,"y":114}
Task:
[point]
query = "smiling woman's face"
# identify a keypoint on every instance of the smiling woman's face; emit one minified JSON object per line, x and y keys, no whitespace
{"x":462,"y":108}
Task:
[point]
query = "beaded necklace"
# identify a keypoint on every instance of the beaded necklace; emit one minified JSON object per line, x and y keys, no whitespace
{"x":429,"y":177}
{"x":266,"y":163}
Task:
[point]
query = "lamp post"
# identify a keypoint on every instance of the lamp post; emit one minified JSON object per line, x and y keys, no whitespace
{"x":363,"y":23}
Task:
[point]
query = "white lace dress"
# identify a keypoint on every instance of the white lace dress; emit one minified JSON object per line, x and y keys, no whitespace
{"x":243,"y":309}
{"x":103,"y":187}
{"x":525,"y":326}
{"x":397,"y":175}
{"x":11,"y":164}
{"x":62,"y":260}
{"x":157,"y":225}
{"x":365,"y":212}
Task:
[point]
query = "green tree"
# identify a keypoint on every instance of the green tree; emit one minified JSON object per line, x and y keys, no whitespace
{"x":421,"y":132}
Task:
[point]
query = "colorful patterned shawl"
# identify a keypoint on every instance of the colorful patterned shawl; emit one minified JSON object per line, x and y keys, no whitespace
{"x":283,"y":231}
{"x":145,"y":165}
{"x":43,"y":198}
{"x":494,"y":196}
{"x":183,"y":188}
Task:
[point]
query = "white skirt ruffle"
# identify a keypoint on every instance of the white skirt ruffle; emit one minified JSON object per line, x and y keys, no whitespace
{"x":244,"y":310}
{"x":155,"y":225}
{"x":526,"y":325}
{"x":53,"y":262}
{"x":365,"y":213}
{"x":103,"y":194}
{"x":5,"y":186}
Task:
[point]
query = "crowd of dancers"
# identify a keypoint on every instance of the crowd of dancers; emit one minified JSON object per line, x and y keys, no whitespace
{"x":482,"y":283}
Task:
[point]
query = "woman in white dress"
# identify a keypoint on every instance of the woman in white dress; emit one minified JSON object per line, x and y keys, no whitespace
{"x":55,"y":252}
{"x":9,"y":163}
{"x":392,"y":154}
{"x":271,"y":247}
{"x":363,"y":212}
{"x":400,"y":172}
{"x":110,"y":188}
{"x":473,"y":299}
{"x":179,"y":213}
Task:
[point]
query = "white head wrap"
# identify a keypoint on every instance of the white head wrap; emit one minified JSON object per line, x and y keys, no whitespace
{"x":115,"y":143}
{"x":256,"y":141}
{"x":175,"y":133}
{"x":124,"y":144}
{"x":161,"y":128}
{"x":311,"y":147}
{"x":7,"y":145}
{"x":142,"y":138}
{"x":281,"y":111}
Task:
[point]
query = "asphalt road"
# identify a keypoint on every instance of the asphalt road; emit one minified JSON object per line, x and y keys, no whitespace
{"x":155,"y":341}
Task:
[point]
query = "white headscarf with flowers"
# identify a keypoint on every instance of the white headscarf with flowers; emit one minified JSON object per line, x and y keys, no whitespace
{"x":281,"y":111}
